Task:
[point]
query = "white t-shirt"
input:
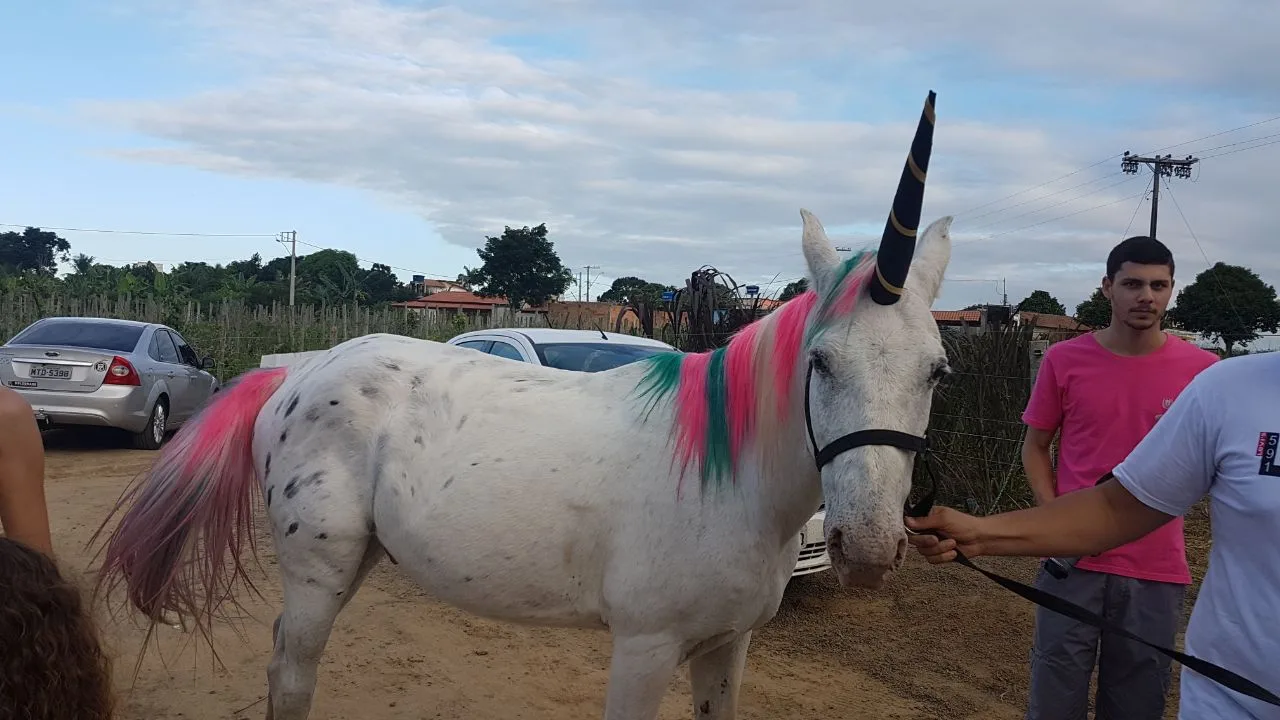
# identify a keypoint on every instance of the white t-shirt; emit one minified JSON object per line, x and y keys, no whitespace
{"x":1221,"y":436}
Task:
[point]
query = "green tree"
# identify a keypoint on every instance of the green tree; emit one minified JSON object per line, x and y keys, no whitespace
{"x":522,"y":266}
{"x":1228,"y":303}
{"x":32,"y":251}
{"x":631,"y":290}
{"x":1096,"y":311}
{"x":1040,"y":301}
{"x":794,"y":288}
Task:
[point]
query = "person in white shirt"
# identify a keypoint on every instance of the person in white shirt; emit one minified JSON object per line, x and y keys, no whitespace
{"x":1220,"y":438}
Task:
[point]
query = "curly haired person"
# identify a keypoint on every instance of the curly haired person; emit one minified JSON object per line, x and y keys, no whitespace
{"x":52,"y":663}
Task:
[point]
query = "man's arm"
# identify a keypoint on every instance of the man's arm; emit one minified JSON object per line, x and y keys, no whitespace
{"x":23,"y":512}
{"x":1043,"y":416}
{"x":1081,"y":523}
{"x":1038,"y":464}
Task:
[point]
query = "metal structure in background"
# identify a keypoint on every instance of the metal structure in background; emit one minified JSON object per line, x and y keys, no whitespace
{"x":708,"y":310}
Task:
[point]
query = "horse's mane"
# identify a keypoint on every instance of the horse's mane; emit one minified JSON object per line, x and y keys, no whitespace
{"x":728,"y":396}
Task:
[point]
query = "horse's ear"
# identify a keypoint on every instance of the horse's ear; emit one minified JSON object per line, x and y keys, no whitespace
{"x":931,"y":260}
{"x":819,"y":253}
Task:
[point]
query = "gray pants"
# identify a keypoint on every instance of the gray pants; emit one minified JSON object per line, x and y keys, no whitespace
{"x":1133,"y":680}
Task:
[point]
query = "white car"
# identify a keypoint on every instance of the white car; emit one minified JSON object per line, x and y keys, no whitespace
{"x":594,"y":351}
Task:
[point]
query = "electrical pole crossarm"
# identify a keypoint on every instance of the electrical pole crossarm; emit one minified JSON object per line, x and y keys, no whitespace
{"x":1164,"y":166}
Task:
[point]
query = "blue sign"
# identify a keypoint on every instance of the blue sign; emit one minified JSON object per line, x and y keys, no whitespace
{"x":668,"y":295}
{"x":753,"y":290}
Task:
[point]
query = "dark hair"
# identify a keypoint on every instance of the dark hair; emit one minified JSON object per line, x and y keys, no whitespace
{"x":1138,"y":249}
{"x":52,"y":664}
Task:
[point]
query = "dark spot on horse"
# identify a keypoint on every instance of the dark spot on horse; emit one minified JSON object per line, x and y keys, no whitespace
{"x":519,"y":389}
{"x":705,"y":709}
{"x":724,"y":684}
{"x":412,"y":490}
{"x":555,"y":470}
{"x":322,"y":536}
{"x":266,"y":472}
{"x":291,"y":489}
{"x":333,"y":402}
{"x":474,"y":464}
{"x":462,"y":421}
{"x":339,"y":593}
{"x":269,"y":490}
{"x":417,"y":440}
{"x":416,"y":382}
{"x":284,"y":434}
{"x":311,"y":581}
{"x":293,"y":528}
{"x":369,"y":391}
{"x":389,"y":365}
{"x":293,"y":405}
{"x":312,"y":415}
{"x":466,"y":578}
{"x":448,"y":482}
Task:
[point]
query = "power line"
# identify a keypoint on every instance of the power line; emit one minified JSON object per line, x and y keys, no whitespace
{"x":1053,"y":219}
{"x":393,"y":267}
{"x":1109,"y":158}
{"x":1042,"y":197}
{"x":143,"y":232}
{"x":1121,"y":181}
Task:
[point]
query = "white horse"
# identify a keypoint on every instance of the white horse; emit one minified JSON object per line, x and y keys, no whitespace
{"x":661,"y":500}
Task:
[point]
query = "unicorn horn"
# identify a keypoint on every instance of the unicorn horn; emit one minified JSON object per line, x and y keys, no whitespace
{"x":898,"y":243}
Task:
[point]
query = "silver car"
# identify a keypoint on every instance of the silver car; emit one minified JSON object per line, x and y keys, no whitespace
{"x":142,"y":378}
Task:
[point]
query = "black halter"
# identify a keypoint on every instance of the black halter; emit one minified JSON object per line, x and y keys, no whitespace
{"x":918,"y":444}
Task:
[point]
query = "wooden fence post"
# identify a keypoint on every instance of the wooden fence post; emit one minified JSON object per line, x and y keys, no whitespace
{"x":1035,"y":350}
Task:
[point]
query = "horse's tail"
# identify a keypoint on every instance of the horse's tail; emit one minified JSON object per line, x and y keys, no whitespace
{"x":190,"y":509}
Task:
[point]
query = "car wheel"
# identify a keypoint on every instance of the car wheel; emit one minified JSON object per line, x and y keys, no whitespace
{"x":152,"y":436}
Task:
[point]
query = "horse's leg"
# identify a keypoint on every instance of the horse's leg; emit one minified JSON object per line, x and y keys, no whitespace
{"x":716,"y":676}
{"x":639,"y":672}
{"x":316,"y":588}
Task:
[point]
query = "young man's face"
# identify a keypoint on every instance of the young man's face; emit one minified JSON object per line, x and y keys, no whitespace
{"x":1139,"y":294}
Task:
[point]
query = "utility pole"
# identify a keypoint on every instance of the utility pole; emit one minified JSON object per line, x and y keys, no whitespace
{"x":588,"y":269}
{"x":290,"y":237}
{"x":1160,"y":167}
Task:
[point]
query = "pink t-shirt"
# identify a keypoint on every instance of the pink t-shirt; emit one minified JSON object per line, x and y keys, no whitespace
{"x":1105,"y":404}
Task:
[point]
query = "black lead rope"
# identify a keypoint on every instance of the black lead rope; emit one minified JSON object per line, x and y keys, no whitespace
{"x":1049,"y":601}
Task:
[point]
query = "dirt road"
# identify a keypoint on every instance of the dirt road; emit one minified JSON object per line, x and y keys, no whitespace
{"x":934,"y":643}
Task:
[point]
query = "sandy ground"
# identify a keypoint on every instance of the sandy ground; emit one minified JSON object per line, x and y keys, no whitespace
{"x":934,"y":643}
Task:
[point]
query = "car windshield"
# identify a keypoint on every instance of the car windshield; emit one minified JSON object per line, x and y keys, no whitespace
{"x":70,"y":333}
{"x":593,"y":357}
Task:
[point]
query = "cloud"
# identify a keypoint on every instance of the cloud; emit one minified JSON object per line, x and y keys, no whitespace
{"x":652,"y":138}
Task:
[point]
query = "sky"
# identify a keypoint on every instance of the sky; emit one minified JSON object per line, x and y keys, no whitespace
{"x":651,"y":137}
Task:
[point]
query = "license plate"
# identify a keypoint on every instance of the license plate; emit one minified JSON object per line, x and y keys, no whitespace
{"x":52,"y":372}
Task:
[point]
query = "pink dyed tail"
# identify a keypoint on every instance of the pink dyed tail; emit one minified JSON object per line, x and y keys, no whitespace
{"x":192,"y":509}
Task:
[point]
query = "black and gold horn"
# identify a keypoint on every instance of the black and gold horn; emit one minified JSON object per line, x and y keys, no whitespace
{"x":899,"y":241}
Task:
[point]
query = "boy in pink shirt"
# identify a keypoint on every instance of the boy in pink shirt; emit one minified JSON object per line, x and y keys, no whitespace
{"x":1103,"y":392}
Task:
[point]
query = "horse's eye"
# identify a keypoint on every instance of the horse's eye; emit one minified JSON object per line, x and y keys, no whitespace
{"x":819,"y":361}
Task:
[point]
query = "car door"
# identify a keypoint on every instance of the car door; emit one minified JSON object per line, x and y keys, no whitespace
{"x":175,"y":376}
{"x":202,"y":381}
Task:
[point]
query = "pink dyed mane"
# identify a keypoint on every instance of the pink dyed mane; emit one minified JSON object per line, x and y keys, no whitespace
{"x":727,"y":397}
